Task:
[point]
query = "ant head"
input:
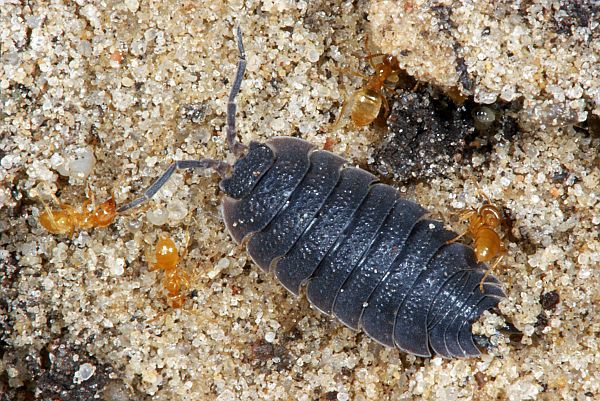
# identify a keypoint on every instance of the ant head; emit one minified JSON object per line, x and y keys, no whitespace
{"x":392,"y":64}
{"x":391,"y":67}
{"x":490,"y":214}
{"x":105,"y":213}
{"x":391,"y":61}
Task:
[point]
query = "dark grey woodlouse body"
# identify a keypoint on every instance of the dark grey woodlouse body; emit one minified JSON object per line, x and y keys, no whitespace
{"x":366,"y":256}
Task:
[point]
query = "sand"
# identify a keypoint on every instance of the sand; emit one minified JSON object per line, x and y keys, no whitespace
{"x":107,"y":94}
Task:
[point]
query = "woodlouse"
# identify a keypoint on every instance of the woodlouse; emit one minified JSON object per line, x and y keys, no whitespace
{"x":364,"y":254}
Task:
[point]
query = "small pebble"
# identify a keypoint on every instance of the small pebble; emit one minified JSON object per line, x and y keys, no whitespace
{"x":269,"y":336}
{"x":85,"y":371}
{"x":81,"y":164}
{"x":158,"y":217}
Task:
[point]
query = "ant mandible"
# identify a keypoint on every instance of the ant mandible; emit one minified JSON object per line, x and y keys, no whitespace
{"x":365,"y":104}
{"x":68,"y":219}
{"x":167,"y":258}
{"x":483,"y":222}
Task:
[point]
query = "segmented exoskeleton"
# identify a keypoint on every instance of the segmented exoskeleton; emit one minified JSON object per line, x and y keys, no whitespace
{"x":364,"y":254}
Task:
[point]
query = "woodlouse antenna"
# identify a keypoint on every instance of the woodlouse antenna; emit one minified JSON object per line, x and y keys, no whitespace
{"x":234,"y":145}
{"x":221,"y":167}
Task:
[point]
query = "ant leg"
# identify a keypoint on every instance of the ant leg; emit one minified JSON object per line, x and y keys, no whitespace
{"x":219,"y":166}
{"x":488,"y":271}
{"x":343,"y":113}
{"x":236,"y":147}
{"x":152,"y":265}
{"x":481,"y":192}
{"x":459,"y":236}
{"x":348,"y":71}
{"x":464,"y":216}
{"x":47,"y":209}
{"x":185,"y":247}
{"x":57,"y":201}
{"x":89,"y":194}
{"x":386,"y":107}
{"x":370,"y":56}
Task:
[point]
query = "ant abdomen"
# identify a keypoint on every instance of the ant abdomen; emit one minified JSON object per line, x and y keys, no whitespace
{"x":366,"y":107}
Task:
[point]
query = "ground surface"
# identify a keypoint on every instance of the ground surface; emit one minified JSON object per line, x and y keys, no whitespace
{"x":138,"y":84}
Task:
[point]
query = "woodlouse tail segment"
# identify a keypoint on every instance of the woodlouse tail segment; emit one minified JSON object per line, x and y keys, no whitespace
{"x":508,"y":329}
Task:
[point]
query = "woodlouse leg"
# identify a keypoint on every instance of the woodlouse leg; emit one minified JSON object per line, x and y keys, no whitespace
{"x":217,"y":165}
{"x":234,"y":145}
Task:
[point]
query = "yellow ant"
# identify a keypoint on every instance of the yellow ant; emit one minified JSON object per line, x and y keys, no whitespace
{"x":68,"y":219}
{"x":365,"y":104}
{"x":483,"y":222}
{"x":167,"y":258}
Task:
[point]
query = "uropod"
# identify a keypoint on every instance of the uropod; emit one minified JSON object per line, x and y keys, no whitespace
{"x":360,"y":252}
